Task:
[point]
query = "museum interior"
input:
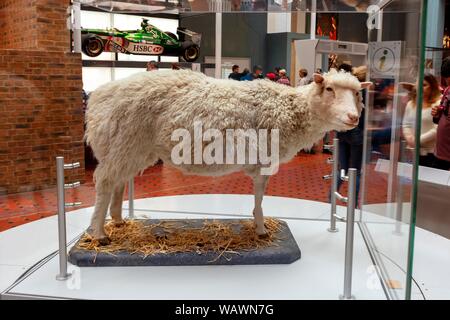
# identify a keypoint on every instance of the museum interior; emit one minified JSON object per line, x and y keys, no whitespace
{"x":90,"y":88}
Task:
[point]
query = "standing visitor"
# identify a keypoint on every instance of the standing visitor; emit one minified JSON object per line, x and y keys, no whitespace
{"x":431,"y":98}
{"x":271,"y":76}
{"x":345,"y":67}
{"x":283,"y":78}
{"x":303,"y":73}
{"x":441,"y":116}
{"x":152,"y":66}
{"x":351,"y":142}
{"x":277,"y":73}
{"x":256,"y":74}
{"x":176,"y":66}
{"x":235,"y":74}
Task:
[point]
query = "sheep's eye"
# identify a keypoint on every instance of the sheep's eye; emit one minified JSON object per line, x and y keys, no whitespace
{"x":330,"y":89}
{"x":357,"y":94}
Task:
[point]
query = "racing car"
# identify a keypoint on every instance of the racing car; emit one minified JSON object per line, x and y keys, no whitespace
{"x":148,"y":40}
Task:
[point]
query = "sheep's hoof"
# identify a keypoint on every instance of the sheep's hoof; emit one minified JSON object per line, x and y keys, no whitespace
{"x":261,"y":233}
{"x":263,"y":236}
{"x":119,"y":223}
{"x":104,"y":241}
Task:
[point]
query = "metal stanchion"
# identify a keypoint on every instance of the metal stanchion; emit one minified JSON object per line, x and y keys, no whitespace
{"x":60,"y":187}
{"x":131,"y":198}
{"x":349,"y":236}
{"x":334,"y":183}
{"x":63,"y":274}
{"x":399,"y":196}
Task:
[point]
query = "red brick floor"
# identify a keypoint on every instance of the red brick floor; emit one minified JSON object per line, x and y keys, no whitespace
{"x":300,"y":178}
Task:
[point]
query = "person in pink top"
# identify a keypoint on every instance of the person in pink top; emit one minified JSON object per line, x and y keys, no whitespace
{"x":283,"y":78}
{"x":441,"y":116}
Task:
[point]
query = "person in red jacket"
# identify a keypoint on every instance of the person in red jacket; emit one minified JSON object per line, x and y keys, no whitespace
{"x":441,"y":116}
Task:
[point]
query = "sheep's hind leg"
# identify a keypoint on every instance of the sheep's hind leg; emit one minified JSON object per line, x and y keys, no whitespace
{"x":116,"y":205}
{"x":259,"y":187}
{"x":102,"y":200}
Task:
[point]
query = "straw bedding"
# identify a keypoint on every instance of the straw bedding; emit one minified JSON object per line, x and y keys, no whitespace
{"x":173,"y":236}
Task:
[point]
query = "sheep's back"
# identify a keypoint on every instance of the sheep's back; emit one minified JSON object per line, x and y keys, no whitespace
{"x":143,"y":111}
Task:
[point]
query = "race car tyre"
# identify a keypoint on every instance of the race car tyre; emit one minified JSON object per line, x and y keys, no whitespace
{"x":172,"y":35}
{"x":92,"y":45}
{"x":191,"y":53}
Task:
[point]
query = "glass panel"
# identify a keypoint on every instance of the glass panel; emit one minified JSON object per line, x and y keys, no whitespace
{"x":393,"y":121}
{"x":44,"y":112}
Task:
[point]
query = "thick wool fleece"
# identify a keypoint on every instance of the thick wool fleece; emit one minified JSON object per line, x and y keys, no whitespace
{"x":130,"y":121}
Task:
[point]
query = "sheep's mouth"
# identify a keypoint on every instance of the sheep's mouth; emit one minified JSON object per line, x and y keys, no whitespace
{"x":351,"y":125}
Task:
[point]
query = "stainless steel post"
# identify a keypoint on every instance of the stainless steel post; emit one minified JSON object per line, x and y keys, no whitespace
{"x":63,"y":274}
{"x":131,"y":198}
{"x":399,"y":197}
{"x":313,"y":20}
{"x":349,"y":236}
{"x":218,"y":44}
{"x":76,"y":28}
{"x":334,"y":184}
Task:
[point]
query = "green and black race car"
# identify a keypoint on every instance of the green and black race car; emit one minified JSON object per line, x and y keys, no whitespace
{"x":149,"y":40}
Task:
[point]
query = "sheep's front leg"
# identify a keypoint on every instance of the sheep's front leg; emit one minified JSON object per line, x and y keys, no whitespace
{"x":116,"y":205}
{"x":259,"y":187}
{"x":102,"y":200}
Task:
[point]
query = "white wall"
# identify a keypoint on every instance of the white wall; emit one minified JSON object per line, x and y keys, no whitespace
{"x":278,"y":22}
{"x":94,"y":77}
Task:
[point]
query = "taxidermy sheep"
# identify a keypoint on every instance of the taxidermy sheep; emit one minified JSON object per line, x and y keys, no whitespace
{"x":130,"y":124}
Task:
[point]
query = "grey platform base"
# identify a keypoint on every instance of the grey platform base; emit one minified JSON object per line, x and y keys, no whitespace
{"x":285,"y":251}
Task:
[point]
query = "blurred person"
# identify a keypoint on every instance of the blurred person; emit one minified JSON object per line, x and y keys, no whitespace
{"x":283,"y":78}
{"x":271,"y":76}
{"x":303,"y":74}
{"x":351,"y":142}
{"x":441,"y":117}
{"x":381,"y":134}
{"x":431,"y":98}
{"x":244,"y":73}
{"x":235,"y":74}
{"x":152,"y":65}
{"x":256,"y":74}
{"x":345,"y":67}
{"x":84,"y":99}
{"x":277,"y":73}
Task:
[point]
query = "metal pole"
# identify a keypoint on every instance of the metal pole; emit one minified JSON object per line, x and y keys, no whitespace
{"x":131,"y":198}
{"x":76,"y":26}
{"x":63,"y":275}
{"x":312,"y":25}
{"x":218,"y":44}
{"x":399,"y":198}
{"x":349,"y":236}
{"x":334,"y":184}
{"x":380,"y":26}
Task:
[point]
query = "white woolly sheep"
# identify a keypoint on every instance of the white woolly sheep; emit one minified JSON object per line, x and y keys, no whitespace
{"x":130,"y":123}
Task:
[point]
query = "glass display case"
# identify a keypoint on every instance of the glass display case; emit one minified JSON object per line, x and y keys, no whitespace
{"x":53,"y":83}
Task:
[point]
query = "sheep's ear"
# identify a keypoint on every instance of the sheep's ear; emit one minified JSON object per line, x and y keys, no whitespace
{"x":366,"y":85}
{"x":408,"y":86}
{"x":318,"y":78}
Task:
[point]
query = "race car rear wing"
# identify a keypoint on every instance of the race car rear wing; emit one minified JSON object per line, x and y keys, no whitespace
{"x":195,"y":37}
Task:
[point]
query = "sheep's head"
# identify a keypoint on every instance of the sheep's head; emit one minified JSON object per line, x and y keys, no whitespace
{"x":337,"y":99}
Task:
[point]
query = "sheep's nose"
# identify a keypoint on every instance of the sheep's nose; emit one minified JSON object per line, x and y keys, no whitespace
{"x":353,"y":117}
